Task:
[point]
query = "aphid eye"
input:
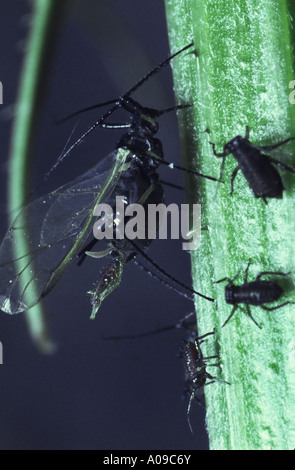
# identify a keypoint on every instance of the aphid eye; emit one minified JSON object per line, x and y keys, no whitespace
{"x":233,"y":144}
{"x":227,"y":149}
{"x":153,"y":126}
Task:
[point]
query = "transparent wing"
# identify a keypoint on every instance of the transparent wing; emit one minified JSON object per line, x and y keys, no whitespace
{"x":47,"y":234}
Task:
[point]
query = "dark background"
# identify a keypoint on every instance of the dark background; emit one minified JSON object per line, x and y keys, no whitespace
{"x":93,"y":393}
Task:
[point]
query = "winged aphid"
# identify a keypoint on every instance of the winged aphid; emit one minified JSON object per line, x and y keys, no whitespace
{"x":57,"y":226}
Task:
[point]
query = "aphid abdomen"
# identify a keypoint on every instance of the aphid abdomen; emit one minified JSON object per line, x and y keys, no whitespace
{"x":262,"y":176}
{"x":140,"y":185}
{"x":191,"y":359}
{"x":253,"y":293}
{"x":109,"y":281}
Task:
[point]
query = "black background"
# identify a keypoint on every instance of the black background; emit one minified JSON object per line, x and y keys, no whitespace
{"x":93,"y":393}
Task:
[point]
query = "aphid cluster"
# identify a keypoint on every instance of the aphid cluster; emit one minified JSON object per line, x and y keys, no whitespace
{"x":265,"y":182}
{"x":58,"y":226}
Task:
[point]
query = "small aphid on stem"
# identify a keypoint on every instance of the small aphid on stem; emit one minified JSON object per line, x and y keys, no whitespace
{"x":195,"y":364}
{"x":257,"y":167}
{"x":257,"y":292}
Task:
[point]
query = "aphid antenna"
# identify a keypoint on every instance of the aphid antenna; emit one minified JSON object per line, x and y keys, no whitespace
{"x":192,"y":396}
{"x":117,"y":102}
{"x":156,"y":69}
{"x":117,"y":105}
{"x":85,"y":110}
{"x":231,"y":281}
{"x":132,"y":89}
{"x":60,"y":158}
{"x":88,"y":131}
{"x":167,"y":275}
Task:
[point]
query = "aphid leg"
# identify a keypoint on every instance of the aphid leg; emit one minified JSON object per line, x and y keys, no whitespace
{"x":172,"y":185}
{"x":250,"y":315}
{"x":205,"y":335}
{"x":99,"y":254}
{"x":212,"y":381}
{"x":259,"y":196}
{"x":175,"y":108}
{"x":232,"y":178}
{"x":82,"y":254}
{"x":246,"y":272}
{"x":224,"y":279}
{"x":216,"y":364}
{"x":272,"y":273}
{"x":221,"y":170}
{"x":185,"y":322}
{"x":282,"y":165}
{"x":247,"y":135}
{"x":167,"y":275}
{"x":161,"y":280}
{"x":215,"y":379}
{"x":221,"y":154}
{"x":268,"y":148}
{"x":188,"y":321}
{"x":112,"y":125}
{"x":232,"y":312}
{"x":270,"y":309}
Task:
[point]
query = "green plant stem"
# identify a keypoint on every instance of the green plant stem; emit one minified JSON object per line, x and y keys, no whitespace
{"x":239,"y":76}
{"x":40,"y":43}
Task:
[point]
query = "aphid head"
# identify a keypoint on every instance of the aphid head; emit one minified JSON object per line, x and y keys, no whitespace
{"x":143,"y":120}
{"x":229,"y":294}
{"x":148,"y":122}
{"x":233,"y":144}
